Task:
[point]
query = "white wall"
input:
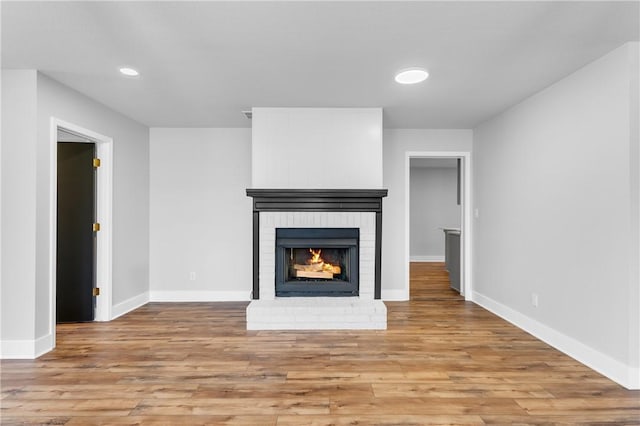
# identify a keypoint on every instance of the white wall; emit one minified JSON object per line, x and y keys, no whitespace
{"x":19,"y":111}
{"x":554,"y":185}
{"x":397,"y":142}
{"x":130,"y":201}
{"x":317,"y":148}
{"x":201,"y":217}
{"x":433,"y":206}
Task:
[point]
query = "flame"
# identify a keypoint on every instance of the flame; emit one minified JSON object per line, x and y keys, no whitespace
{"x":315,"y":256}
{"x":316,"y":259}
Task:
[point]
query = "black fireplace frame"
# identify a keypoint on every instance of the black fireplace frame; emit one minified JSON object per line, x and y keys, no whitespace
{"x":318,"y":238}
{"x":316,"y":200}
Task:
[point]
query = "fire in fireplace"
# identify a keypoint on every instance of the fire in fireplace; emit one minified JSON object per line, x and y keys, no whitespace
{"x":317,"y":261}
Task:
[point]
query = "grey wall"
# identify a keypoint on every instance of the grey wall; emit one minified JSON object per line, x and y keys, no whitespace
{"x":130,"y":274}
{"x":201,"y":217}
{"x":19,"y":140}
{"x":397,"y":142}
{"x":190,"y":227}
{"x":316,"y":148}
{"x":433,"y":206}
{"x":47,"y":98}
{"x":555,"y":182}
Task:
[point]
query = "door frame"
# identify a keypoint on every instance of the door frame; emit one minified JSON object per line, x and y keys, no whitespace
{"x":104,"y":197}
{"x":466,"y":284}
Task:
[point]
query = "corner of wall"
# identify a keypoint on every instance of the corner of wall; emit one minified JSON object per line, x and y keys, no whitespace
{"x":395,"y":295}
{"x":19,"y":204}
{"x":129,"y":305}
{"x":634,"y":168}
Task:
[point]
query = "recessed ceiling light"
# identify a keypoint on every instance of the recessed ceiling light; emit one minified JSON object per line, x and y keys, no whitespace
{"x":412,"y":76}
{"x":129,"y":72}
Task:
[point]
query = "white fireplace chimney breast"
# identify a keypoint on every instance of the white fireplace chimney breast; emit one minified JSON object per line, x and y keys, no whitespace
{"x":308,"y":148}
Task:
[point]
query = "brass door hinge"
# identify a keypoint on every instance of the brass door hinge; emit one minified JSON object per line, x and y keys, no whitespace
{"x":96,"y":163}
{"x":96,"y":291}
{"x":96,"y":227}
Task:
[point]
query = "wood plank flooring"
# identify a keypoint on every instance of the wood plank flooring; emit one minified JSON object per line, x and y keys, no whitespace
{"x":441,"y":361}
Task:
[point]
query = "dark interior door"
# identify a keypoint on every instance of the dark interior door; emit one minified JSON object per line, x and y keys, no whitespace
{"x":75,"y":273}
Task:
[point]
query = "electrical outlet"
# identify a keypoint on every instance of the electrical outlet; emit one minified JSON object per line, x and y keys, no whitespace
{"x":476,"y":213}
{"x":192,"y":276}
{"x":534,"y":299}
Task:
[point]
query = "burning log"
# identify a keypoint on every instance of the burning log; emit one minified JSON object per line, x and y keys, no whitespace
{"x":314,"y":274}
{"x":316,"y":270}
{"x":315,"y":267}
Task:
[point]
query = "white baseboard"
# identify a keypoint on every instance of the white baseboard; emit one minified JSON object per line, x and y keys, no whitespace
{"x":634,"y":378}
{"x":17,"y":349}
{"x":200,"y":296}
{"x":603,"y":364}
{"x":129,"y":305}
{"x":394,"y":295}
{"x":26,"y":349}
{"x":426,"y":258}
{"x":43,"y":345}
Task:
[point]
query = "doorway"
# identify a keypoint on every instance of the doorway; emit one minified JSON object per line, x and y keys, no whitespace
{"x":103,"y":207}
{"x":460,"y":166}
{"x":76,"y":229}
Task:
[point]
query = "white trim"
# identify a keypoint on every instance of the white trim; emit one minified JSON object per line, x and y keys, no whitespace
{"x":633,"y":381}
{"x":199,"y":296}
{"x":426,"y":259}
{"x":17,"y":349}
{"x":395,"y":295}
{"x":603,"y":364}
{"x":42,"y":345}
{"x":25,"y":349}
{"x":466,"y":284}
{"x":104,"y":150}
{"x":130,"y":304}
{"x":104,"y":242}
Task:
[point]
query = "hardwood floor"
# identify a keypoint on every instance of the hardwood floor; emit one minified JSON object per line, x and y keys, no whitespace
{"x":441,"y":361}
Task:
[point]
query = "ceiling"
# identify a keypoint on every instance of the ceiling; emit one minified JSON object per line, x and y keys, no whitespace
{"x":202,"y":63}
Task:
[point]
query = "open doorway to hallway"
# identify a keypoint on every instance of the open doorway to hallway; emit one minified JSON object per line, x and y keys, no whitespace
{"x":435,"y":217}
{"x":438,"y":216}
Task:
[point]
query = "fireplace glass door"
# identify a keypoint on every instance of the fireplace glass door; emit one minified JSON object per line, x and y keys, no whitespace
{"x":317,"y":262}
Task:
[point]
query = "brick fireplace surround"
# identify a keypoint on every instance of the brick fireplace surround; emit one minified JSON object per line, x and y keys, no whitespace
{"x":314,"y":208}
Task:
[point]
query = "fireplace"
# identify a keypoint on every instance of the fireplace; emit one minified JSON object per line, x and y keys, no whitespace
{"x":316,"y":259}
{"x":317,"y":262}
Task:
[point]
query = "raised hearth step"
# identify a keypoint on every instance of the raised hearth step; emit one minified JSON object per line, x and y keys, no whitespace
{"x":317,"y":313}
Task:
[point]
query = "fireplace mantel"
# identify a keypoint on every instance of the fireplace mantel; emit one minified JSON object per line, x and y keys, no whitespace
{"x":316,"y":200}
{"x":336,"y":200}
